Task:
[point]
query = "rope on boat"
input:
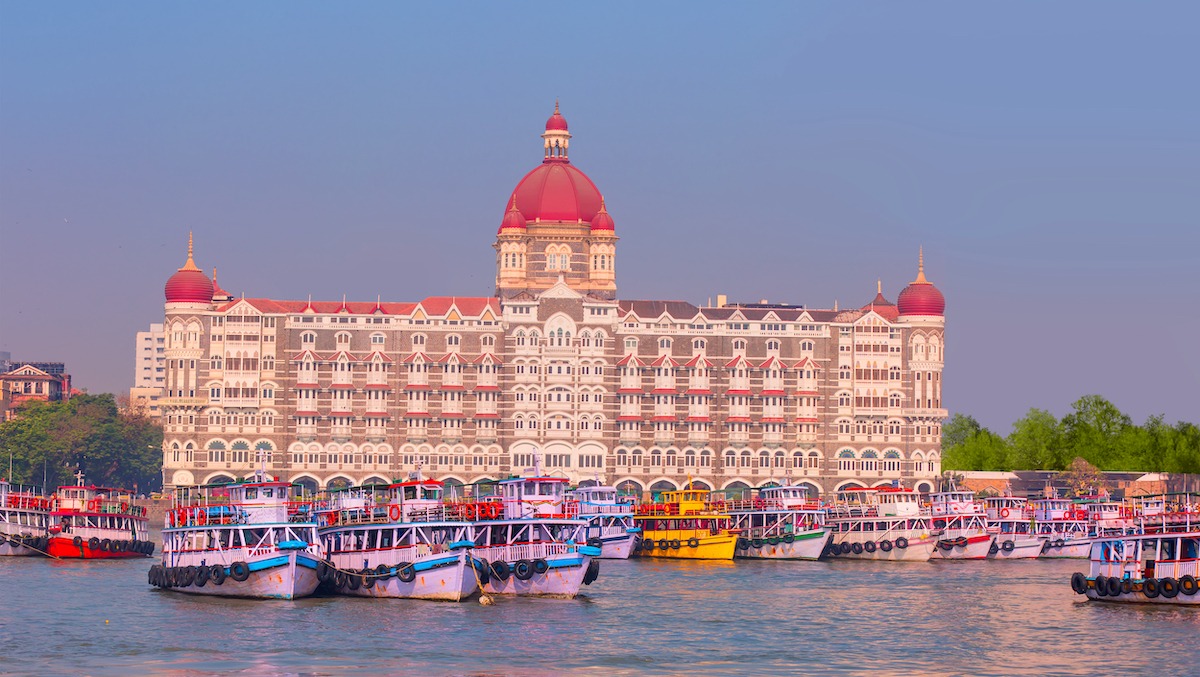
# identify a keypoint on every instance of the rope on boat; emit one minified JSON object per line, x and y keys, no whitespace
{"x":484,"y":598}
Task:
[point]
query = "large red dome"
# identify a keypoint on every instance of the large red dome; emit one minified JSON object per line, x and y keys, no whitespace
{"x":557,"y":191}
{"x":920,"y":297}
{"x":189,"y":284}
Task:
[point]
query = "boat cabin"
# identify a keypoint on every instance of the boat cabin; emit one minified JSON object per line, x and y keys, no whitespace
{"x":879,"y":502}
{"x":598,"y":500}
{"x":1048,"y":509}
{"x":950,"y":503}
{"x":1149,"y":556}
{"x":93,"y":499}
{"x":787,"y":498}
{"x":1005,"y":508}
{"x":419,"y":499}
{"x":533,"y":497}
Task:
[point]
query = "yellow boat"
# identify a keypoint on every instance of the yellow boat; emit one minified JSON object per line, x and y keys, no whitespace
{"x":682,"y":526}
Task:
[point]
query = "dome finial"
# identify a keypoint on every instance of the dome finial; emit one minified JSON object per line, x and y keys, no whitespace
{"x":190,"y":265}
{"x":921,"y":267}
{"x":879,"y":286}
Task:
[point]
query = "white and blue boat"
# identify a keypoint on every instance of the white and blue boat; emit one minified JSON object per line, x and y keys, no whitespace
{"x":610,"y":520}
{"x":535,"y":548}
{"x":396,"y":541}
{"x":249,"y":539}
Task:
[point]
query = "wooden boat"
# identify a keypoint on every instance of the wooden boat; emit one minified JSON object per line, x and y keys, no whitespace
{"x":778,"y":523}
{"x":1157,"y":568}
{"x":396,"y":541}
{"x":91,"y":522}
{"x":881,"y":523}
{"x":963,"y":523}
{"x":534,"y":548}
{"x":610,"y":520}
{"x":24,"y":517}
{"x":249,"y":539}
{"x":682,"y":525}
{"x":1011,"y":523}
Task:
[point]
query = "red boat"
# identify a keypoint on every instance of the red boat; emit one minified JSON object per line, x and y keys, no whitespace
{"x":91,"y":522}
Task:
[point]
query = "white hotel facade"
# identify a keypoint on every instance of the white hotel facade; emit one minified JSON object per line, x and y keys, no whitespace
{"x":641,"y":394}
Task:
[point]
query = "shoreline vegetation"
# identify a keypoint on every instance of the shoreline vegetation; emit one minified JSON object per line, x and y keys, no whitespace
{"x":1095,"y":431}
{"x":49,"y":441}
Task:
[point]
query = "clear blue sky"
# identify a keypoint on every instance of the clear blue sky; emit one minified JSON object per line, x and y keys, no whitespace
{"x":1047,"y":155}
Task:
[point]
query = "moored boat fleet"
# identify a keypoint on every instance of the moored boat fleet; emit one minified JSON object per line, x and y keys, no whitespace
{"x":534,"y":535}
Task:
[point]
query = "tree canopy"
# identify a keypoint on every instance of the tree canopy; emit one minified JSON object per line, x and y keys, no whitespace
{"x":1095,"y":431}
{"x":54,"y":440}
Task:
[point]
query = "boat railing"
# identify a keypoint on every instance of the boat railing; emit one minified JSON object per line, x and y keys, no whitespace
{"x":844,"y":511}
{"x":26,"y":502}
{"x":528,"y":551}
{"x":585,"y":508}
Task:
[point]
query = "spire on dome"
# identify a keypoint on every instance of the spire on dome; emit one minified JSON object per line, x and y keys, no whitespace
{"x":920,"y":267}
{"x":556,"y":137}
{"x":190,"y":265}
{"x":879,"y":286}
{"x":602,"y":220}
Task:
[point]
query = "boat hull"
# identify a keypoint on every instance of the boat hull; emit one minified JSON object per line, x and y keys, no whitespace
{"x":976,"y":548}
{"x":917,"y":549}
{"x":1023,"y":547}
{"x":64,"y":547}
{"x":721,"y":546}
{"x":12,"y":545}
{"x":563,"y":578}
{"x":619,"y":546}
{"x":286,"y":575}
{"x":446,"y":577}
{"x":808,"y":545}
{"x":1066,"y":548}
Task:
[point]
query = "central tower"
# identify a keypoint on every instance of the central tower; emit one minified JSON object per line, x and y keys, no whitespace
{"x":556,"y":225}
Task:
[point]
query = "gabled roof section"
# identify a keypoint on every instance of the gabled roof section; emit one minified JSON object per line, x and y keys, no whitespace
{"x":773,"y":363}
{"x":417,"y":357}
{"x":739,"y":361}
{"x":376,"y":355}
{"x":306,"y":354}
{"x":698,"y":361}
{"x":630,"y":360}
{"x":560,"y":290}
{"x":806,"y":363}
{"x":488,"y":358}
{"x":664,"y":361}
{"x":28,"y":371}
{"x":675,"y":310}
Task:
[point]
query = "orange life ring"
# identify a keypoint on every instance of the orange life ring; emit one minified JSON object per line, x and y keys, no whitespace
{"x":94,"y":505}
{"x":394,"y":512}
{"x":1003,"y":512}
{"x":201,"y":517}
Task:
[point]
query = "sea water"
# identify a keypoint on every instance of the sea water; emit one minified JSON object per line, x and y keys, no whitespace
{"x":640,"y":617}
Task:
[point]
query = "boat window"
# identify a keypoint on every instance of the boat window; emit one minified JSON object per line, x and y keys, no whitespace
{"x":268,"y":492}
{"x":251,"y":492}
{"x":1168,"y":549}
{"x":546,"y":489}
{"x":1191,"y":548}
{"x":410,"y":492}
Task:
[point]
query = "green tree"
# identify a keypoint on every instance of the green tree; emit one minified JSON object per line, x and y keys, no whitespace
{"x":1036,"y":442}
{"x":983,"y":450}
{"x":958,"y":429}
{"x":1093,"y":429}
{"x":88,"y":434}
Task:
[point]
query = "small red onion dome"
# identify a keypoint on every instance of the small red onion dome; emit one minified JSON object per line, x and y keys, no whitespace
{"x":189,"y":284}
{"x":920,"y":297}
{"x":513,"y":219}
{"x":556,"y":122}
{"x":602,"y":221}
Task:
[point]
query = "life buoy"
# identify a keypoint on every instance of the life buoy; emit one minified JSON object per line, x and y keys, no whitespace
{"x":201,"y":517}
{"x":1004,"y":513}
{"x":394,"y":512}
{"x":94,"y":505}
{"x":239,"y":571}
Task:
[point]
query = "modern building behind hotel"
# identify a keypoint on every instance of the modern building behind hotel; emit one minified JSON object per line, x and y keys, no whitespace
{"x":641,"y":394}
